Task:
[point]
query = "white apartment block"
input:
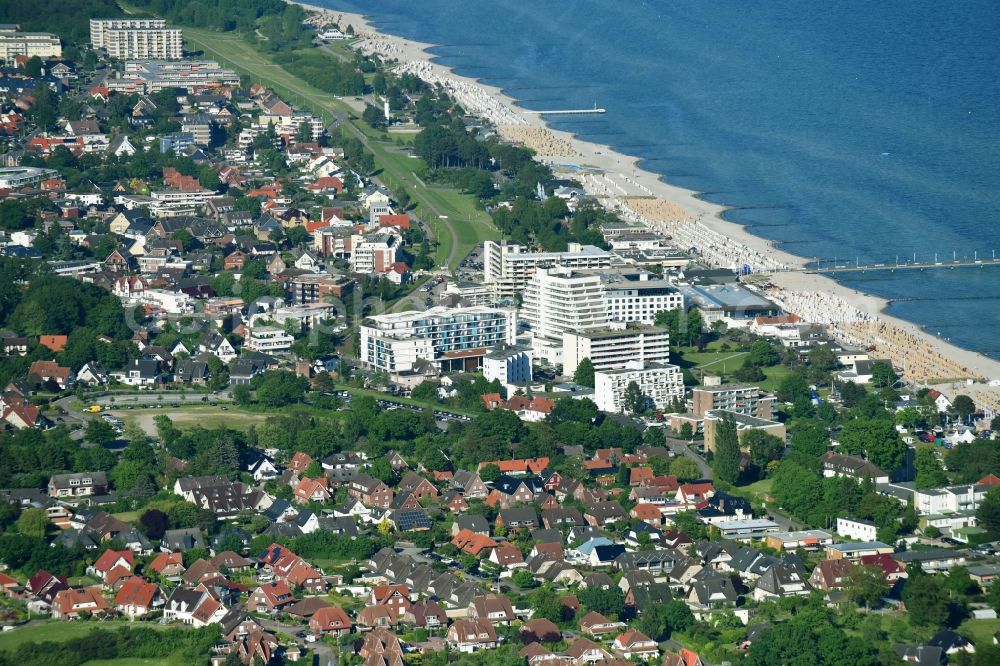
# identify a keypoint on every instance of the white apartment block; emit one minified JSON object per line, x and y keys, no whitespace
{"x":472,"y":293}
{"x":557,"y":300}
{"x":28,"y":44}
{"x":510,"y":266}
{"x":857,"y":529}
{"x":181,"y":198}
{"x":560,"y":300}
{"x":615,"y":346}
{"x":137,"y":39}
{"x":453,"y":339}
{"x":99,"y":28}
{"x":640,"y":300}
{"x":508,"y":366}
{"x":374,"y":253}
{"x":172,"y":302}
{"x":268,"y":339}
{"x":661,"y":383}
{"x":951,"y":499}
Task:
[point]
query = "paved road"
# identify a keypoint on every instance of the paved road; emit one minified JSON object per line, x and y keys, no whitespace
{"x":680,"y":447}
{"x":320,"y":653}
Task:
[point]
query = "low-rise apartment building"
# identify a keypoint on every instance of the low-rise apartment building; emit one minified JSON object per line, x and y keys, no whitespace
{"x":660,"y":383}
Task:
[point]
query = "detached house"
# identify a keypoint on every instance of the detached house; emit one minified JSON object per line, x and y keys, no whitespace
{"x":781,"y":580}
{"x":371,"y":492}
{"x":493,"y":607}
{"x":470,"y":635}
{"x":270,"y":597}
{"x":81,"y":484}
{"x":312,"y":490}
{"x":634,"y":643}
{"x":330,"y":620}
{"x":394,"y":597}
{"x":143,"y":373}
{"x":78,"y":602}
{"x":597,"y":625}
{"x":137,"y":597}
{"x":831,"y":574}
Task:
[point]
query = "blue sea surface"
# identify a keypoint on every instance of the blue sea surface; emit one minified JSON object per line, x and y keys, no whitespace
{"x":842,"y":129}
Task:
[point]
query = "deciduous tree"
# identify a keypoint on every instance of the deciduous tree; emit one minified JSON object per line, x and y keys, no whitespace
{"x":584,"y":374}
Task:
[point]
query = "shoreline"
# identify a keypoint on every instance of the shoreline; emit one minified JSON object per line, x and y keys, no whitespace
{"x":620,"y":184}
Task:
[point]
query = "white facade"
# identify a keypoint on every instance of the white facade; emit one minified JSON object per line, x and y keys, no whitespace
{"x":28,"y":44}
{"x":99,"y":27}
{"x":560,"y":300}
{"x":153,"y":44}
{"x":508,"y":366}
{"x":614,"y":347}
{"x":859,"y":530}
{"x":473,"y":293}
{"x":374,"y":253}
{"x":510,"y":266}
{"x":640,"y":300}
{"x":139,"y":38}
{"x":173,"y":302}
{"x":268,"y":339}
{"x":659,"y":382}
{"x":557,"y":300}
{"x":395,"y":342}
{"x":949,"y":500}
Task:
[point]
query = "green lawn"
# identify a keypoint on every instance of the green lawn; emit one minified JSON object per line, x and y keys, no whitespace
{"x":458,"y":225}
{"x":127,"y":661}
{"x":980,"y":631}
{"x":187,"y":416}
{"x":57,"y":632}
{"x":724,"y":363}
{"x":755,"y":489}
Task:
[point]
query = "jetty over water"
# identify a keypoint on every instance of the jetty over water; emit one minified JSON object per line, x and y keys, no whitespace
{"x":902,"y":266}
{"x":568,"y":112}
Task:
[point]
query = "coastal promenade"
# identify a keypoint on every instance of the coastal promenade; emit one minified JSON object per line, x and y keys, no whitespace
{"x":619,"y":183}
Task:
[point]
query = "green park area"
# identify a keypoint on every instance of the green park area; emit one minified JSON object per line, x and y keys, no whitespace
{"x":59,"y":632}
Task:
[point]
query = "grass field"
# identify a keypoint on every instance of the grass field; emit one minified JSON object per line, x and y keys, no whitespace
{"x":205,"y":416}
{"x":724,"y":363}
{"x":130,"y":662}
{"x":756,"y":489}
{"x":453,"y":217}
{"x":57,"y":632}
{"x":980,"y":631}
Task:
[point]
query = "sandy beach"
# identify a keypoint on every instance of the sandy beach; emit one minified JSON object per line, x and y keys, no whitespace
{"x":636,"y":194}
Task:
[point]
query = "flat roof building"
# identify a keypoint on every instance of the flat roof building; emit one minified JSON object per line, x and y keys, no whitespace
{"x":615,"y":345}
{"x":453,"y":339}
{"x":510,"y":265}
{"x":15,"y":178}
{"x":155,"y":75}
{"x":138,"y":39}
{"x":744,"y":424}
{"x":29,"y":44}
{"x":739,"y":398}
{"x":660,"y":383}
{"x":732,"y":303}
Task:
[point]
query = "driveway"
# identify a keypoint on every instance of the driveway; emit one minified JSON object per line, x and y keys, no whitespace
{"x":680,"y":447}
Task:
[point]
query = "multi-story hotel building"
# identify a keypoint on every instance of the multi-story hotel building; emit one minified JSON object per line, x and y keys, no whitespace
{"x":510,"y":266}
{"x":137,"y":39}
{"x":28,"y":44}
{"x":615,"y":346}
{"x":453,"y":339}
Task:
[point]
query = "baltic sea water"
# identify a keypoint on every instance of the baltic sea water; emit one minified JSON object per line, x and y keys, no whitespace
{"x":841,"y":129}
